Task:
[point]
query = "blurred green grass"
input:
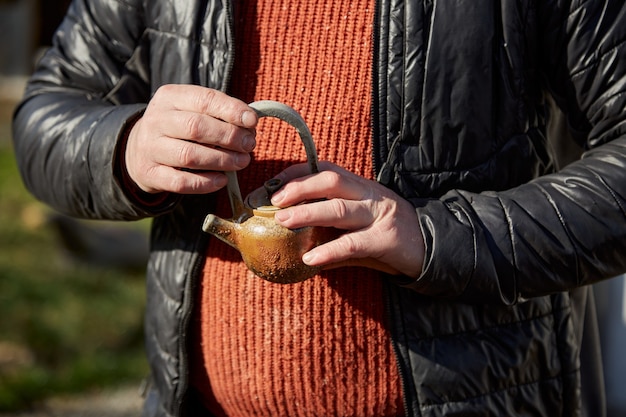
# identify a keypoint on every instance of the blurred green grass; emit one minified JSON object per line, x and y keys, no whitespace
{"x":65,"y":327}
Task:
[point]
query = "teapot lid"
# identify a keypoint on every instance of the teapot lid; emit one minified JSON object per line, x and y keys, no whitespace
{"x":259,"y":199}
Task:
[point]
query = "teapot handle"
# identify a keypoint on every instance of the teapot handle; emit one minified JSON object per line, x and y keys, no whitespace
{"x":270,"y":108}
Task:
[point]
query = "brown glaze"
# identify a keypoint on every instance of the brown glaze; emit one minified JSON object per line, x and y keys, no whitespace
{"x":271,"y":251}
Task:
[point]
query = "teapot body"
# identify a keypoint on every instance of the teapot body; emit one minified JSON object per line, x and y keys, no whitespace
{"x":271,"y":251}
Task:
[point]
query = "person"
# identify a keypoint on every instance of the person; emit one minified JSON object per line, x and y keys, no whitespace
{"x":431,"y":121}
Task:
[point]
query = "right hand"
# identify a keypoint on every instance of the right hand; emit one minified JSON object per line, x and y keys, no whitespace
{"x":187,"y":136}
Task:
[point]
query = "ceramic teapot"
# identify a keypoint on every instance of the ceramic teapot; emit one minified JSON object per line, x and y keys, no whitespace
{"x":271,"y":251}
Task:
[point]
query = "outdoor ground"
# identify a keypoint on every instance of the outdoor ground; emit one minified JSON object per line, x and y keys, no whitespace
{"x":71,"y":333}
{"x":119,"y":402}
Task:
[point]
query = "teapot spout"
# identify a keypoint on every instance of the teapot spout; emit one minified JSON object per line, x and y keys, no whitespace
{"x":224,"y":230}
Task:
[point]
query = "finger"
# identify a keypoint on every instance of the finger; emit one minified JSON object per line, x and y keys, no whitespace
{"x":338,"y":213}
{"x":190,"y":155}
{"x":324,"y":185}
{"x":214,"y":103}
{"x":164,"y":178}
{"x":294,"y":171}
{"x":368,"y":262}
{"x":204,"y":129}
{"x":163,"y":118}
{"x":366,"y":248}
{"x":345,"y":248}
{"x":303,"y":170}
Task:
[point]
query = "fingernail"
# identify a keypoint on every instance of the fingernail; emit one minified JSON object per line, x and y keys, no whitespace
{"x":308,"y":258}
{"x":248,"y":119}
{"x":282,"y":215}
{"x":242,"y":160}
{"x":278,"y":197}
{"x":220,"y":181}
{"x":249,"y":143}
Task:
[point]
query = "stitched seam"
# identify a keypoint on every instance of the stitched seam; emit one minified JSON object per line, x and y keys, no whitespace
{"x":606,"y":100}
{"x":613,"y":194}
{"x":496,"y":326}
{"x":126,"y":3}
{"x":600,"y":58}
{"x":564,"y":226}
{"x":493,"y":157}
{"x":215,"y":44}
{"x":580,"y":6}
{"x":509,"y":223}
{"x":558,"y":376}
{"x":463,"y":210}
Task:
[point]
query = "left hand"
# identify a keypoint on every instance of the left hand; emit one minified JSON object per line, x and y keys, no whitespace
{"x":382,"y":229}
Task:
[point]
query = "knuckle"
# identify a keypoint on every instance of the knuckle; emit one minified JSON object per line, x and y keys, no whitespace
{"x":206,"y":100}
{"x":186,"y":155}
{"x":350,"y":245}
{"x":162,"y":96}
{"x":196,"y":185}
{"x":331,"y":178}
{"x":176,"y":184}
{"x":233,"y":133}
{"x":144,"y":176}
{"x":340,"y":208}
{"x":163,"y":90}
{"x":193,"y":126}
{"x":227,"y":135}
{"x":185,"y":183}
{"x":150,"y":171}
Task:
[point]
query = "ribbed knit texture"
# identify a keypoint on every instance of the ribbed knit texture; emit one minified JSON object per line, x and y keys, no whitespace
{"x":317,"y":348}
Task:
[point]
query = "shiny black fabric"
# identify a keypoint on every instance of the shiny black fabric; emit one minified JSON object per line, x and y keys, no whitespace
{"x":494,"y":326}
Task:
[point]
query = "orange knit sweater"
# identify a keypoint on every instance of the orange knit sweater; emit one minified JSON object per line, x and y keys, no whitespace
{"x":319,"y":347}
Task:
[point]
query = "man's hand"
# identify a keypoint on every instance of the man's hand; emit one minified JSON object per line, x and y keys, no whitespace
{"x":187,"y":136}
{"x":382,"y":229}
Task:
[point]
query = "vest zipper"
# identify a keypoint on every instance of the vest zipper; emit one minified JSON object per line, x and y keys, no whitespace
{"x":394,"y":331}
{"x":374,"y":92}
{"x":202,"y":243}
{"x":191,"y":286}
{"x":230,"y":34}
{"x":377,"y":164}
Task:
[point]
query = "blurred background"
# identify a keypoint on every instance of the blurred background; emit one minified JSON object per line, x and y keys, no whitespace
{"x":72,"y":293}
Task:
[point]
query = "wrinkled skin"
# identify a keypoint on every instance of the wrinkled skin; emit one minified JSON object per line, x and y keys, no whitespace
{"x":381,"y":225}
{"x":189,"y":134}
{"x":186,"y":137}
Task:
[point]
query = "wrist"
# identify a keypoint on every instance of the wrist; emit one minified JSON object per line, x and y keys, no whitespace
{"x":125,"y":181}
